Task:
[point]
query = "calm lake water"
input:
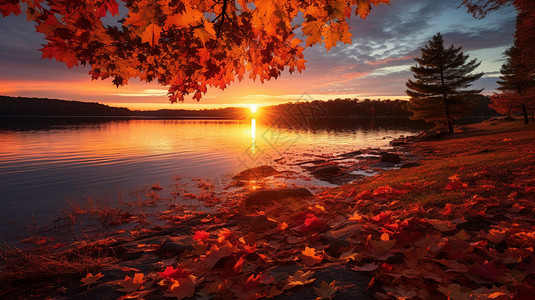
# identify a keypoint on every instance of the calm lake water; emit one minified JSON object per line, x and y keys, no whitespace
{"x":47,"y":162}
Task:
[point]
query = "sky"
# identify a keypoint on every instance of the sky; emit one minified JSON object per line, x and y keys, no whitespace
{"x":376,"y":64}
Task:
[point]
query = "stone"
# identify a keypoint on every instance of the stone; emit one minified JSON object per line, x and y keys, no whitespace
{"x":266,"y":197}
{"x":176,"y":245}
{"x":410,"y":165}
{"x":351,"y":154}
{"x":327,"y":171}
{"x":397,"y":143}
{"x":256,"y":172}
{"x":351,"y":284}
{"x":391,"y":158}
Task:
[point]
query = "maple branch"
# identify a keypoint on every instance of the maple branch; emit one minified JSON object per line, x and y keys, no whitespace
{"x":223,"y":14}
{"x":240,"y":29}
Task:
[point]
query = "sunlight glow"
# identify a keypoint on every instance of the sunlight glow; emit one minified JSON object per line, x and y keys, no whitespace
{"x":253,"y":108}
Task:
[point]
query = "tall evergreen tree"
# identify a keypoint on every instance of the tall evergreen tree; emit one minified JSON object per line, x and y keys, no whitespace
{"x":515,"y":84}
{"x":439,"y":92}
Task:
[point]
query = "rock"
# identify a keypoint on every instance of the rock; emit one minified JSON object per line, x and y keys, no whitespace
{"x":391,"y":158}
{"x":410,"y":165}
{"x":256,"y":172}
{"x":327,"y":171}
{"x":398,"y":142}
{"x":351,"y":154}
{"x":383,"y":165}
{"x":261,"y":223}
{"x":175,"y":246}
{"x":314,"y":162}
{"x":266,"y":197}
{"x":351,"y":284}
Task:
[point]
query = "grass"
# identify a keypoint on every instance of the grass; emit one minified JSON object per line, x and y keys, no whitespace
{"x":26,"y":271}
{"x":493,"y":152}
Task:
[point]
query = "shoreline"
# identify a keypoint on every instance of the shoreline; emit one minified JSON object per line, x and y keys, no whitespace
{"x":351,"y":234}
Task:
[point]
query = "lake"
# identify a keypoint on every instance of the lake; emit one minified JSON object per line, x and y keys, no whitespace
{"x":45,"y":163}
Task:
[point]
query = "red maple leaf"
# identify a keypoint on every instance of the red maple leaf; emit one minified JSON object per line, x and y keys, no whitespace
{"x":173,"y":273}
{"x":488,"y":270}
{"x":312,"y":222}
{"x":201,"y":236}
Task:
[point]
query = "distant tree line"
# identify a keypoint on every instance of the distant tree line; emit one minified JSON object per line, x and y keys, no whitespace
{"x":364,"y":108}
{"x":347,"y":107}
{"x":21,"y":106}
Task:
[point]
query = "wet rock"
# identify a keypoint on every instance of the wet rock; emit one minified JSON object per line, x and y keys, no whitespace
{"x":266,"y":197}
{"x":327,"y":171}
{"x":256,"y":172}
{"x":337,"y":239}
{"x":261,"y":223}
{"x":351,"y":154}
{"x":368,"y":157}
{"x":390,"y":158}
{"x":397,"y":143}
{"x":383,"y":165}
{"x":313,"y":162}
{"x":175,"y":246}
{"x":351,"y":284}
{"x":410,"y":165}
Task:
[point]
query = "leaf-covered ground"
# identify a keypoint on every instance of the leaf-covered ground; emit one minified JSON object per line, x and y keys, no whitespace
{"x":459,"y":226}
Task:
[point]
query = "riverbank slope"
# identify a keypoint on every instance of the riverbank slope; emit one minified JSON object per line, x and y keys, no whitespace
{"x":459,"y":225}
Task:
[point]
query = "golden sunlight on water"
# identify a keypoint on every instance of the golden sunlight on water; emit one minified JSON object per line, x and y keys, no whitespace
{"x":73,"y":159}
{"x":253,"y":134}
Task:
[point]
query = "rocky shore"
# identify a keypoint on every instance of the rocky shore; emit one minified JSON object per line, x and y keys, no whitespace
{"x":426,"y":228}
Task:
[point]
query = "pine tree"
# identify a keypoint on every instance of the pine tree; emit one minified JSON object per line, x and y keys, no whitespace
{"x":439,"y":92}
{"x":514,"y":85}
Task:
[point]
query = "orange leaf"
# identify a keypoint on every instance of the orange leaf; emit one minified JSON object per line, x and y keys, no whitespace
{"x":151,"y":34}
{"x":309,"y":256}
{"x":326,"y":290}
{"x":183,"y":288}
{"x":90,"y":278}
{"x":298,"y":279}
{"x":132,"y":284}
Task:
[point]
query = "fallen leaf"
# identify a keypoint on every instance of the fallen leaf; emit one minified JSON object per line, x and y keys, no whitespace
{"x":326,"y":290}
{"x":132,"y":284}
{"x":309,"y":256}
{"x":298,"y":279}
{"x":90,"y":278}
{"x":173,"y":273}
{"x":182,"y":288}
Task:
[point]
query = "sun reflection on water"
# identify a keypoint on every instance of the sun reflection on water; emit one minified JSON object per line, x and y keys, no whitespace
{"x":253,"y":135}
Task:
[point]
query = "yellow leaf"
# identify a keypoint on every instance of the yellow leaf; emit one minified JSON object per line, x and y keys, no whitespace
{"x":151,"y":34}
{"x":298,"y":279}
{"x":90,"y":278}
{"x":326,"y":290}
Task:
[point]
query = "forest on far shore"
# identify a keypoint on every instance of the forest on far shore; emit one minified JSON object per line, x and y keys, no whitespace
{"x":348,"y":107}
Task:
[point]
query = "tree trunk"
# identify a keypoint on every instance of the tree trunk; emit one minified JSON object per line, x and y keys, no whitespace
{"x":446,"y":107}
{"x":525,"y":112}
{"x":448,"y":117}
{"x":533,"y":113}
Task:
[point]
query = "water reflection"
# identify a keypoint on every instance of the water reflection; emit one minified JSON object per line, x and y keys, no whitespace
{"x":45,"y":161}
{"x":253,"y":135}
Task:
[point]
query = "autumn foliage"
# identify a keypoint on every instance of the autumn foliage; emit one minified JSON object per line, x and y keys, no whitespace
{"x":188,"y":45}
